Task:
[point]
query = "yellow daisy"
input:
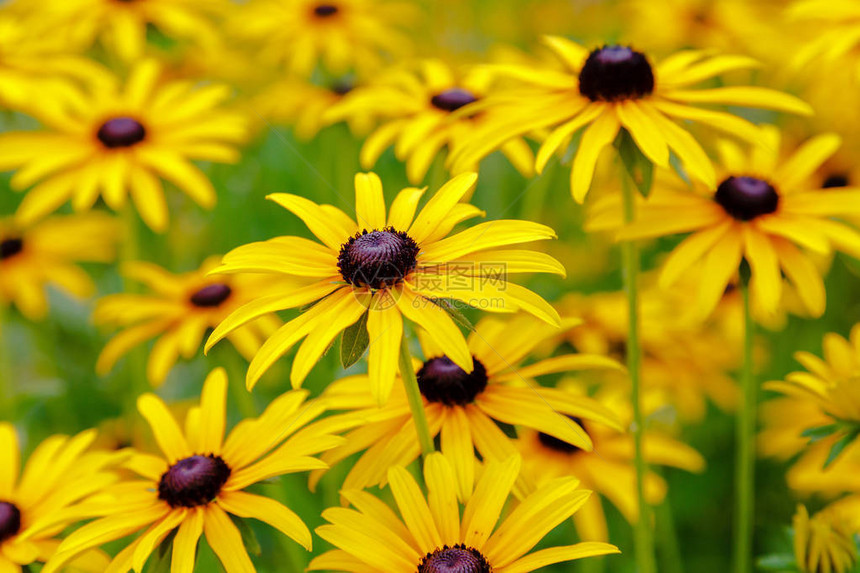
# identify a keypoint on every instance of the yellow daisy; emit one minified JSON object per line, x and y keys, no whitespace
{"x":341,"y":35}
{"x":179,"y":310}
{"x":200,"y":480}
{"x":823,"y":542}
{"x":122,"y":25}
{"x":44,"y":253}
{"x":601,"y":91}
{"x":58,"y":480}
{"x":117,"y":139}
{"x":466,"y":409}
{"x":764,"y":211}
{"x":431,"y":535}
{"x":420,"y":105}
{"x":833,"y":28}
{"x":608,"y":470}
{"x":384,"y":269}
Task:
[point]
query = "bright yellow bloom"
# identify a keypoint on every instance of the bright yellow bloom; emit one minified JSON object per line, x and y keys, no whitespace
{"x":179,"y":310}
{"x":420,"y":105}
{"x":120,"y":138}
{"x":431,"y":534}
{"x":608,"y":469}
{"x":465,"y":409}
{"x":833,"y":26}
{"x":385,"y":269}
{"x":58,"y":480}
{"x":599,"y":92}
{"x":44,"y":253}
{"x":201,"y":478}
{"x":823,"y":543}
{"x":339,"y":35}
{"x":122,"y":25}
{"x":763,"y":211}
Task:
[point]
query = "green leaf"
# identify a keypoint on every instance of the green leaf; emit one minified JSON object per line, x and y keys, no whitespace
{"x":354,"y":341}
{"x":159,"y":561}
{"x":249,"y":538}
{"x":639,"y":167}
{"x":454,"y":312}
{"x":838,"y":447}
{"x":777,"y":562}
{"x":820,"y":432}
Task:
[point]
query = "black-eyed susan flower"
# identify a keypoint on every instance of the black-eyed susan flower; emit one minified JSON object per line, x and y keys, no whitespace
{"x":609,"y":469}
{"x":179,"y":309}
{"x":823,"y":542}
{"x":120,"y":138}
{"x":833,"y":34}
{"x":121,"y":26}
{"x":339,"y":35}
{"x":466,"y":409}
{"x":201,"y":478}
{"x":59,"y":478}
{"x":394,"y":267}
{"x":764,"y":211}
{"x":46,"y":252}
{"x":419,"y":105}
{"x":599,"y":92}
{"x":432,"y":534}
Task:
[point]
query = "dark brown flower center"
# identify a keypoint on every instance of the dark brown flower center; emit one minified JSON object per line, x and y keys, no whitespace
{"x":10,"y":520}
{"x":121,"y":132}
{"x":211,"y":295}
{"x":835,"y":180}
{"x":614,"y":73}
{"x":10,"y":247}
{"x":452,"y":99}
{"x":325,"y":10}
{"x":557,"y":445}
{"x":746,"y":198}
{"x":193,"y":481}
{"x":377,"y":259}
{"x":440,"y":380}
{"x":456,"y":559}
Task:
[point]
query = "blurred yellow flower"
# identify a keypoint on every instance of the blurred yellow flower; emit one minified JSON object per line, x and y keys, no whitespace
{"x":119,"y":138}
{"x":613,"y":87}
{"x":200,"y":480}
{"x":384,"y":269}
{"x":431,"y":535}
{"x":823,"y":543}
{"x":44,"y":253}
{"x":179,"y":309}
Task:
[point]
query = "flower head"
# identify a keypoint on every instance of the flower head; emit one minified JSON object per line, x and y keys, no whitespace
{"x":200,"y":479}
{"x":44,"y":253}
{"x":387,"y":268}
{"x":764,"y":211}
{"x":598,"y":92}
{"x":466,"y":409}
{"x":823,"y":542}
{"x":431,"y":535}
{"x":116,"y":139}
{"x":179,"y":310}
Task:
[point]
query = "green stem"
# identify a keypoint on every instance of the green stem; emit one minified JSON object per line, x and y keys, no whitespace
{"x":745,"y":452}
{"x":413,"y":393}
{"x":670,"y":549}
{"x":643,"y":534}
{"x":7,"y":390}
{"x":136,"y":383}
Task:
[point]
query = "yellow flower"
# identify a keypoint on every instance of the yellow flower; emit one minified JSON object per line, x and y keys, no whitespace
{"x":601,"y":91}
{"x":431,"y":535}
{"x":201,"y":478}
{"x":180,"y":309}
{"x":118,"y":139}
{"x":36,"y":255}
{"x":387,"y":269}
{"x":762,"y":211}
{"x":421,"y":107}
{"x":465,"y":409}
{"x":122,"y":25}
{"x":59,"y":479}
{"x":341,"y":35}
{"x":833,"y":27}
{"x":823,"y":543}
{"x":608,"y":469}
